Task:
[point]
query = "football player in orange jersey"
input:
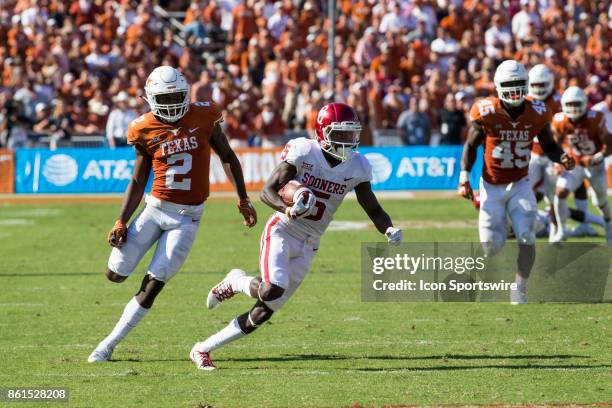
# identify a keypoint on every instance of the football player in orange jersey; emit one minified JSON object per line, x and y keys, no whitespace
{"x":506,"y":126}
{"x":589,"y":144}
{"x":542,"y":88}
{"x":542,"y":172}
{"x":174,"y":140}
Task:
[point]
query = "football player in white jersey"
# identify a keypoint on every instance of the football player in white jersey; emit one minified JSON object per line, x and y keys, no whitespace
{"x":331,"y":168}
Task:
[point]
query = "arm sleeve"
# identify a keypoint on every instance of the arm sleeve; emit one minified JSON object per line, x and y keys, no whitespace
{"x":294,"y":152}
{"x":367,"y":170}
{"x":133,"y":136}
{"x":475,"y":115}
{"x":216,"y":113}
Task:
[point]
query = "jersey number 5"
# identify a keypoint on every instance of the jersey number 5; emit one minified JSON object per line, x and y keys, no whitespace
{"x":518,"y":158}
{"x":320,"y":206}
{"x":178,"y":170}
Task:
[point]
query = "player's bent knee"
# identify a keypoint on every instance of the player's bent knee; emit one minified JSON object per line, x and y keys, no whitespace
{"x":149,"y":289}
{"x":258,"y":315}
{"x":563,"y":193}
{"x":114,"y":277}
{"x":526,"y":237}
{"x":269,"y":291}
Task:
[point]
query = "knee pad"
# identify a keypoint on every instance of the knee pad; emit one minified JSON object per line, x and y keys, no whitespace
{"x":255,"y":317}
{"x":269,"y":291}
{"x":526,"y":237}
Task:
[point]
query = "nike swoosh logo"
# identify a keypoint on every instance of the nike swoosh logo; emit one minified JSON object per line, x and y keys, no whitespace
{"x":350,"y":178}
{"x":528,"y":126}
{"x":193,"y":130}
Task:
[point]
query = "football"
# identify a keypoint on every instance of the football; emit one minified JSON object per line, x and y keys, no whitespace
{"x":288,"y":191}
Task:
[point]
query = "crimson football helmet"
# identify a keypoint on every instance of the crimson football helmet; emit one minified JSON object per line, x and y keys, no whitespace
{"x":337,"y":130}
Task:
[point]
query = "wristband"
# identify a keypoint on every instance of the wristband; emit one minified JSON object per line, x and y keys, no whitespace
{"x":464,"y":176}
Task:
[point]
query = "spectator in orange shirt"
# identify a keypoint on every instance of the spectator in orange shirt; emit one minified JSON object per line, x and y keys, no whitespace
{"x":456,"y":23}
{"x":269,"y":125}
{"x":485,"y":86}
{"x":243,"y":25}
{"x":202,"y":90}
{"x":385,"y":67}
{"x":596,"y":42}
{"x":236,"y":126}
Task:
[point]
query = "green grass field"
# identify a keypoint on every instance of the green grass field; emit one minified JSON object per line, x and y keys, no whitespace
{"x":326,"y":348}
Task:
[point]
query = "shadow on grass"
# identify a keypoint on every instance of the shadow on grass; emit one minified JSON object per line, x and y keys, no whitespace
{"x":480,"y":367}
{"x":324,"y":357}
{"x":443,"y":358}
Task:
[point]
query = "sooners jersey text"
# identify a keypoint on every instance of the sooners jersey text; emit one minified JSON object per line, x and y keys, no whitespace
{"x":329,"y":184}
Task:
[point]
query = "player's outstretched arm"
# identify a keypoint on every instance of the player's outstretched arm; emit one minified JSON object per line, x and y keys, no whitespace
{"x":219,"y":143}
{"x":553,"y":150}
{"x":281,"y":175}
{"x":131,"y":199}
{"x":474,"y":139}
{"x":380,"y":218}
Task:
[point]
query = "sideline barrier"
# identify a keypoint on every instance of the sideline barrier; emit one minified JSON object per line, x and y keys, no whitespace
{"x":90,"y":170}
{"x":74,"y":170}
{"x":7,"y":171}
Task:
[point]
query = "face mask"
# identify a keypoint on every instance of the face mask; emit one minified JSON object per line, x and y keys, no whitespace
{"x":85,"y":5}
{"x":267,"y":117}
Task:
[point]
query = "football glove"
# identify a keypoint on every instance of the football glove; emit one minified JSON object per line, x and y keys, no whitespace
{"x":465,"y":189}
{"x":117,"y":236}
{"x":567,"y":162}
{"x":248,"y":212}
{"x":394,"y":235}
{"x":301,"y":207}
{"x":597,"y":158}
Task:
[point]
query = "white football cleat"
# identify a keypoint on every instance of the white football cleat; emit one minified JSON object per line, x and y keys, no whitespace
{"x":201,"y":359}
{"x":518,"y":297}
{"x":584,"y":230}
{"x":100,"y":355}
{"x":223,"y":290}
{"x":558,"y":235}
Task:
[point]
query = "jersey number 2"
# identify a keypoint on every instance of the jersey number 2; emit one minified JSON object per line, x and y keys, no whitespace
{"x":518,"y":158}
{"x":178,"y":170}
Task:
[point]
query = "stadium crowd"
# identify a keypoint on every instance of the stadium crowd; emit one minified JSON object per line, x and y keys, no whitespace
{"x":410,"y":66}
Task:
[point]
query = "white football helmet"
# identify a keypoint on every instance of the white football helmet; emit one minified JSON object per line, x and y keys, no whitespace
{"x":511,"y":82}
{"x":574,"y":102}
{"x":541,"y":82}
{"x":166,"y":80}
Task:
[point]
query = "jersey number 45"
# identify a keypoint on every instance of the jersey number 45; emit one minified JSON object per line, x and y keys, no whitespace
{"x":512,"y":158}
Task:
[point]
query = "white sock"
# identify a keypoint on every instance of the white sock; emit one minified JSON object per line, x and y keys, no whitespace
{"x":594,"y":219}
{"x":242,"y":284}
{"x":521,"y":283}
{"x":132,"y":314}
{"x":561,"y":211}
{"x":226,"y":335}
{"x":582,"y":205}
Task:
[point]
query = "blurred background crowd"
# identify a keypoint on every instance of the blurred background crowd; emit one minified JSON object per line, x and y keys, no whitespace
{"x":75,"y":69}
